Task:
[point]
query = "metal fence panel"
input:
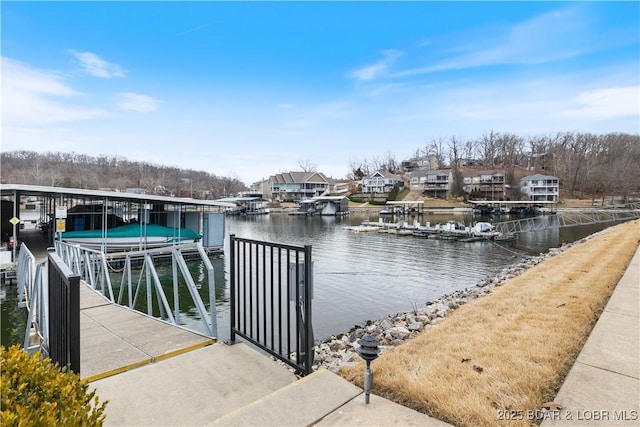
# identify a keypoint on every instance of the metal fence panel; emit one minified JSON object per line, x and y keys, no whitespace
{"x":64,"y":314}
{"x":267,"y":308}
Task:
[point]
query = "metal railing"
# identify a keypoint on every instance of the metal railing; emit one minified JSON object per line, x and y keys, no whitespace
{"x":90,"y":264}
{"x":64,"y":314}
{"x":33,"y":295}
{"x":94,"y":268}
{"x":271,"y":289}
{"x":570,"y":218}
{"x":25,"y":271}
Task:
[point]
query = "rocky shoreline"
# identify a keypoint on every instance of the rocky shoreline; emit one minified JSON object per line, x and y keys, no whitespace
{"x":392,"y":330}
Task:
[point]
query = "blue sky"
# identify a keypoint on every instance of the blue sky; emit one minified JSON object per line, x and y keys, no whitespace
{"x":250,"y":89}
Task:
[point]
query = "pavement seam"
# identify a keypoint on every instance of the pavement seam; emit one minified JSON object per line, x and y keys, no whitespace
{"x":116,"y":371}
{"x":183,"y":350}
{"x":608,"y":370}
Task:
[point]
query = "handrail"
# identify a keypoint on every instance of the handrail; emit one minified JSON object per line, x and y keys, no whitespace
{"x":25,"y":270}
{"x":569,"y":219}
{"x":90,"y":264}
{"x":33,"y":295}
{"x":95,"y":269}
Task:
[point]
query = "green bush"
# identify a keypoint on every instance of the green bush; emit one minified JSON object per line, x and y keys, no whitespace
{"x":393,"y":194}
{"x":36,"y":393}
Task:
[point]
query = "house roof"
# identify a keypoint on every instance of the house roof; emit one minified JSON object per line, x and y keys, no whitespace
{"x":470,"y":173}
{"x":417,"y":173}
{"x":538,"y":177}
{"x":387,"y":174}
{"x":298,"y":177}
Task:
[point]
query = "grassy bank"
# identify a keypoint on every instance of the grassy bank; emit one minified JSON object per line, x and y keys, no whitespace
{"x":512,"y":349}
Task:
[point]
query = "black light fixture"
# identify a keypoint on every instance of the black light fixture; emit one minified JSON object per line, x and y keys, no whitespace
{"x":368,"y":351}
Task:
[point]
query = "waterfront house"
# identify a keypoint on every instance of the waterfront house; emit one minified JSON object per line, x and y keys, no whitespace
{"x":484,"y":184}
{"x":257,"y":189}
{"x":418,"y":179}
{"x":381,"y":182}
{"x":296,"y":186}
{"x":541,"y":188}
{"x":438,"y":183}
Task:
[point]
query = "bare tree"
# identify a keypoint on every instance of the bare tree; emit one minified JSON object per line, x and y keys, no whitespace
{"x":455,"y":146}
{"x":487,"y":145}
{"x":307,"y":166}
{"x":436,"y":149}
{"x":389,"y":163}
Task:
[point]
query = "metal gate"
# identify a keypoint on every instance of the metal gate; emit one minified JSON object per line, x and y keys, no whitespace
{"x":271,"y":289}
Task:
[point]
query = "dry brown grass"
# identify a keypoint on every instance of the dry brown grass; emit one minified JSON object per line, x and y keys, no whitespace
{"x":512,"y":349}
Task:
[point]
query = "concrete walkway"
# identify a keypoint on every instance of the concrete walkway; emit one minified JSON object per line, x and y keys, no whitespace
{"x":603,"y":387}
{"x":223,"y":385}
{"x":114,"y":339}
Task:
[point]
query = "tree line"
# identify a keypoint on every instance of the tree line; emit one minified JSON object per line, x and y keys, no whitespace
{"x":112,"y":172}
{"x":585,"y":163}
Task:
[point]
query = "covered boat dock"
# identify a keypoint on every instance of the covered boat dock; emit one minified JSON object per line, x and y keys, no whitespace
{"x":245,"y":205}
{"x":61,"y":209}
{"x":324,"y":205}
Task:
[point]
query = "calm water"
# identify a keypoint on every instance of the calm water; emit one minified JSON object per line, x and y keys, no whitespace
{"x":357,"y":276}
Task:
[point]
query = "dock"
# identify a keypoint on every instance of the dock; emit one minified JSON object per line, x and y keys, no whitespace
{"x":114,"y":339}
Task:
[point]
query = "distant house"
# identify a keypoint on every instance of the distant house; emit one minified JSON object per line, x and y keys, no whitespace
{"x":161,"y":190}
{"x":438,"y":183}
{"x":541,"y":188}
{"x":469,"y":162}
{"x":136,"y":190}
{"x":338,"y":187}
{"x":296,"y":186}
{"x":418,"y":179}
{"x":484,"y":184}
{"x":257,"y":189}
{"x":381,"y":182}
{"x":424,"y":162}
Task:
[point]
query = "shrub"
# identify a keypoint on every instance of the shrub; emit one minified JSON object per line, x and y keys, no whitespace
{"x":393,"y":194}
{"x":36,"y":393}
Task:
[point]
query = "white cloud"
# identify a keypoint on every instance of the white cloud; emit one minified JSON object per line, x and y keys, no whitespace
{"x":606,"y":103}
{"x":130,"y":101}
{"x":552,"y":36}
{"x":378,"y":69}
{"x":95,"y":66}
{"x":34,"y":97}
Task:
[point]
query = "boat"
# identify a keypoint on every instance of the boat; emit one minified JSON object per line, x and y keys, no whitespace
{"x":132,"y":236}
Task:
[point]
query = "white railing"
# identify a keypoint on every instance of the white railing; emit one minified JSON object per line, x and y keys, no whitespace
{"x":32,"y":295}
{"x":94,"y":267}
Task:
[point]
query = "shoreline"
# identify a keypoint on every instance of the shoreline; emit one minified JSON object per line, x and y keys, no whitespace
{"x":341,"y":350}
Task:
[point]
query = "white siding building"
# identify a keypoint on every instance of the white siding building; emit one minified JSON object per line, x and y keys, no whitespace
{"x":541,"y":188}
{"x":381,"y":182}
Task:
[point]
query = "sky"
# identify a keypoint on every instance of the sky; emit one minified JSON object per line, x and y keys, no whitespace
{"x":251,"y":89}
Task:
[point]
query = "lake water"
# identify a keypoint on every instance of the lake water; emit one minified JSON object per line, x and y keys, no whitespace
{"x":357,"y":276}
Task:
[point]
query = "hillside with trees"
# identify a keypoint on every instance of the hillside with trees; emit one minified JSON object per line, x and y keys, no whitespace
{"x":588,"y":165}
{"x":110,"y":173}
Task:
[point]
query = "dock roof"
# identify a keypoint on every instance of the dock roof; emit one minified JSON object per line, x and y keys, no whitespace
{"x":39,"y":190}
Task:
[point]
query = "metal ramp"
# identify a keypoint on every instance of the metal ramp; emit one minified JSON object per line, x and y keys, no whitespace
{"x":569,"y":218}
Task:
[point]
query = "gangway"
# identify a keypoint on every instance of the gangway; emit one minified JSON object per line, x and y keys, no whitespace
{"x":93,"y":269}
{"x":570,"y":217}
